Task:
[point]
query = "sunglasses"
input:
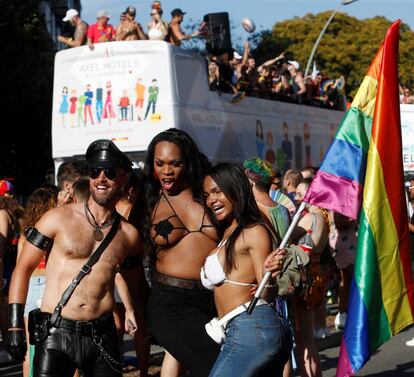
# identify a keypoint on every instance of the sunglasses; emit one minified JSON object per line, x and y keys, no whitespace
{"x":110,"y":173}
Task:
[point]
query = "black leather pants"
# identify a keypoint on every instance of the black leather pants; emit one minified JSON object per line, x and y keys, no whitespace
{"x":62,"y":352}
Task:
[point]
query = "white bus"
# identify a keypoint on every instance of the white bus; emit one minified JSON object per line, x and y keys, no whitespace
{"x":131,"y":91}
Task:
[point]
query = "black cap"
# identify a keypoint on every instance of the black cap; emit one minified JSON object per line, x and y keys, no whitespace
{"x":131,"y":10}
{"x":105,"y":154}
{"x":177,"y":12}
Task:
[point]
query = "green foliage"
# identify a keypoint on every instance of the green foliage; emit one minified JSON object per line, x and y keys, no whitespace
{"x":347,"y":47}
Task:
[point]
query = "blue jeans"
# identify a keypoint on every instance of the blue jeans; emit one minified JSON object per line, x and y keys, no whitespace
{"x":258,"y":344}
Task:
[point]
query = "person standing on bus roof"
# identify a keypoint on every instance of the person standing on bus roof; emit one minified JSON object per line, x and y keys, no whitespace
{"x":157,"y":28}
{"x":101,"y":31}
{"x":129,"y":29}
{"x":81,"y":29}
{"x":175,"y":35}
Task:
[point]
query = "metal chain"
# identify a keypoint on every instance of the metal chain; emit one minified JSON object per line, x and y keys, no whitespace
{"x":111,"y":361}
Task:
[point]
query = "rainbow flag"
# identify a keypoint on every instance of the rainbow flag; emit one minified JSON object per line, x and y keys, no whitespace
{"x":362,"y":175}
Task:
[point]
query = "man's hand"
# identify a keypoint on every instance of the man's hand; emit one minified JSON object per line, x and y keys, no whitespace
{"x":16,"y":342}
{"x":274,"y":262}
{"x":130,"y":323}
{"x":64,"y":197}
{"x":281,"y":56}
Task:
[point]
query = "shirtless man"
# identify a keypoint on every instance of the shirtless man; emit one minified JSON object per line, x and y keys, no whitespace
{"x":129,"y":29}
{"x":175,"y":35}
{"x":81,"y":29}
{"x":84,"y":336}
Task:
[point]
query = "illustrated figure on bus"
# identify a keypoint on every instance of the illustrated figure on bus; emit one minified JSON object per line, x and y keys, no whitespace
{"x":259,"y":139}
{"x":306,"y":138}
{"x":80,"y":110}
{"x":153,"y":91}
{"x":64,"y":105}
{"x":72,"y":109}
{"x":124,"y":105}
{"x":99,"y":103}
{"x":270,"y":153}
{"x":139,"y":102}
{"x":287,"y":147}
{"x":108,"y":110}
{"x":88,"y":104}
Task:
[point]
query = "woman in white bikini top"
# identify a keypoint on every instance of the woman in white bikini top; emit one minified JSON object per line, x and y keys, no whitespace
{"x":231,"y":270}
{"x":212,"y":273}
{"x":157,"y":28}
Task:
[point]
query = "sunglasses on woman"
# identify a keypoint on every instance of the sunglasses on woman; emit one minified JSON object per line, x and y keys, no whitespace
{"x":110,"y":173}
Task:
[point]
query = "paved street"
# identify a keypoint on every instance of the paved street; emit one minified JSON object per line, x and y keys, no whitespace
{"x":394,"y":359}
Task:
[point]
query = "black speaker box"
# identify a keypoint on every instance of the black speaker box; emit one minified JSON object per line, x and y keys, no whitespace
{"x":218,"y":39}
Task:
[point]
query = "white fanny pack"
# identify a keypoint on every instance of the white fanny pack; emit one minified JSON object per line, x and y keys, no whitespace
{"x":216,"y":328}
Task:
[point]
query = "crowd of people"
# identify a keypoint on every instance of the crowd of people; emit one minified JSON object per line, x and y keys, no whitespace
{"x":185,"y":255}
{"x":406,"y":95}
{"x":128,"y":29}
{"x":277,"y":79}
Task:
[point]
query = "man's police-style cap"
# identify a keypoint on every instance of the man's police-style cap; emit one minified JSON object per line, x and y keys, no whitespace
{"x":104,"y":153}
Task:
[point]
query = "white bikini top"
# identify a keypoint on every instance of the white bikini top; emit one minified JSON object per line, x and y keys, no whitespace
{"x":212,"y":273}
{"x":156,"y":32}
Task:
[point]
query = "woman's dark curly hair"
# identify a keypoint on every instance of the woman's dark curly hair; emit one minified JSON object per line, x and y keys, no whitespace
{"x":41,"y":200}
{"x":195,"y":166}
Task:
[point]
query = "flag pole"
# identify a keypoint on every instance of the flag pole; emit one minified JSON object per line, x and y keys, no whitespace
{"x":268,"y":274}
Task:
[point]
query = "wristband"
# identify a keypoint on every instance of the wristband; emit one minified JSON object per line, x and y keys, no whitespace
{"x":16,"y":313}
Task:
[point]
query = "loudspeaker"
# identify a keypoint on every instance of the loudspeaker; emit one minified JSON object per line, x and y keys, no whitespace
{"x":218,"y":39}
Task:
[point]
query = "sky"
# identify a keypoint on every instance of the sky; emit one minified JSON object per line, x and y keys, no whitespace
{"x":264,"y":13}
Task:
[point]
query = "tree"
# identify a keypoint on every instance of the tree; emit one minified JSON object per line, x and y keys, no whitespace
{"x":347,"y":48}
{"x":26,"y":74}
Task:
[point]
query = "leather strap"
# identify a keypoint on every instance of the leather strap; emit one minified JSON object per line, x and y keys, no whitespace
{"x":55,"y":318}
{"x":178,"y":282}
{"x":38,"y":239}
{"x":85,"y":328}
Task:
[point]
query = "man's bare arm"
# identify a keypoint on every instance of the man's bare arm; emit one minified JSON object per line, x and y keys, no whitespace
{"x":79,"y":36}
{"x":123,"y":291}
{"x":4,"y":231}
{"x":178,"y":34}
{"x":142,"y":36}
{"x":120,"y":35}
{"x":31,"y":256}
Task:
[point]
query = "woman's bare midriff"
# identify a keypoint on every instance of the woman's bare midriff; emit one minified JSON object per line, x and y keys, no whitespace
{"x":185,"y":259}
{"x":229,"y":296}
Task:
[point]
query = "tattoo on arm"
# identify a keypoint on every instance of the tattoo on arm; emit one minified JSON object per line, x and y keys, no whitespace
{"x":80,"y":33}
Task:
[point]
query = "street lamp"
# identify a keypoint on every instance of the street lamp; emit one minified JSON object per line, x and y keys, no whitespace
{"x":315,"y":46}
